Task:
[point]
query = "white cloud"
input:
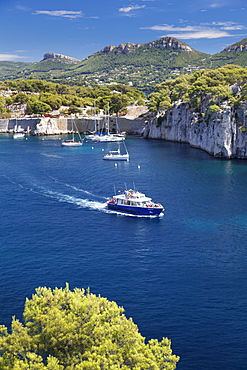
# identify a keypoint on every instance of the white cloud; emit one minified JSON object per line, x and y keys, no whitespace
{"x":233,"y":28}
{"x":61,"y":13}
{"x":206,"y":34}
{"x":167,"y":27}
{"x":22,"y":8}
{"x":229,"y":26}
{"x":218,"y":30}
{"x":224,"y":24}
{"x":214,"y":5}
{"x":9,"y":57}
{"x":132,"y":7}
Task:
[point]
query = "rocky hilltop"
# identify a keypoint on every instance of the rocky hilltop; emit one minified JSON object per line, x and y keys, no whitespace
{"x":163,"y":43}
{"x":61,"y":56}
{"x":238,"y":46}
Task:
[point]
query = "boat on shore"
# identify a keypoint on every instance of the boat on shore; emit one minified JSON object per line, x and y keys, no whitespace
{"x":73,"y":142}
{"x":134,"y":202}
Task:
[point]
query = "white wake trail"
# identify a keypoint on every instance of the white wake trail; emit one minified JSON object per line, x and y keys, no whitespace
{"x":84,"y":203}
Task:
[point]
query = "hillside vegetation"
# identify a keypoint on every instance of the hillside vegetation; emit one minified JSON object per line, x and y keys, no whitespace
{"x":143,"y":68}
{"x":42,"y":97}
{"x":208,"y":87}
{"x":140,"y":65}
{"x":77,"y":330}
{"x":11,"y":69}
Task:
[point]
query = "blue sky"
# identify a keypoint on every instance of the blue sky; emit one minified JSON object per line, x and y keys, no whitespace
{"x":79,"y":28}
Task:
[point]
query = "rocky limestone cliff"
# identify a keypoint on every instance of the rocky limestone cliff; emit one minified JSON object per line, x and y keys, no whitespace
{"x":239,"y":46}
{"x":222,"y":134}
{"x":124,"y":48}
{"x":169,"y":43}
{"x":164,"y":42}
{"x":61,"y":56}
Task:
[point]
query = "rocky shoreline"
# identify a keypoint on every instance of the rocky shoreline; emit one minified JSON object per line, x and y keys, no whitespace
{"x":63,"y":125}
{"x":222,"y":134}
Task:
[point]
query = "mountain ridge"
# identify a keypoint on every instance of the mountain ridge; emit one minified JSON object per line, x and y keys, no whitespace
{"x":139,"y":65}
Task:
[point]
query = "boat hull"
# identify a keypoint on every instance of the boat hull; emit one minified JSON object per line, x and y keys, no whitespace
{"x":139,"y":211}
{"x":72,"y":144}
{"x":18,"y":136}
{"x":116,"y":158}
{"x":107,"y":138}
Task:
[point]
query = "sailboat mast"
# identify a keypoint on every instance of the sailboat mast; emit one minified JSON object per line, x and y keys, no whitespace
{"x":108,"y":119}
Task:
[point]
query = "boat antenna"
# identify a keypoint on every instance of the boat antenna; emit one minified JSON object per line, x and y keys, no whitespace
{"x":125,"y":186}
{"x":134,"y":186}
{"x":115,"y":189}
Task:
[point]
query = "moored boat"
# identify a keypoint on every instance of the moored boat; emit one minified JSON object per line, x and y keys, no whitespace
{"x":19,"y":135}
{"x":72,"y":142}
{"x":116,"y":155}
{"x":134,"y":202}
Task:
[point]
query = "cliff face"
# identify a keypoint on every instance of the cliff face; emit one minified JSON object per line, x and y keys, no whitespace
{"x":66,"y":58}
{"x":222,"y":134}
{"x":163,"y":43}
{"x":169,"y":43}
{"x":238,"y":46}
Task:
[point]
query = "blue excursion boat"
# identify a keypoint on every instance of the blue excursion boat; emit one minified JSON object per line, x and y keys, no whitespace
{"x":134,"y":202}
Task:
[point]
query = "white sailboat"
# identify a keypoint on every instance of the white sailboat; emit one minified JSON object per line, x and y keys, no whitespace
{"x":107,"y":136}
{"x":18,"y":132}
{"x":93,"y":136}
{"x":18,"y":135}
{"x":116,"y":155}
{"x":72,"y":142}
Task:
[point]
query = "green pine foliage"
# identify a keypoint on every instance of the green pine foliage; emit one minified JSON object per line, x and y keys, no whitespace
{"x":54,"y":95}
{"x":211,"y":87}
{"x":77,"y":330}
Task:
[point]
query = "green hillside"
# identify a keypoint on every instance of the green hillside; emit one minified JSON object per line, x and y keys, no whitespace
{"x":10,"y":70}
{"x":46,"y":69}
{"x":140,"y":65}
{"x":143,"y":68}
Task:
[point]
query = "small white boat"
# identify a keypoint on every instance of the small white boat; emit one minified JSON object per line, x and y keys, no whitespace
{"x":18,"y":131}
{"x":109,"y":137}
{"x":116,"y":155}
{"x":134,"y":202}
{"x":18,"y":135}
{"x":72,"y":142}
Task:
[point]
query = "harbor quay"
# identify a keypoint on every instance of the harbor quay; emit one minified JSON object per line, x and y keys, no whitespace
{"x":62,"y":125}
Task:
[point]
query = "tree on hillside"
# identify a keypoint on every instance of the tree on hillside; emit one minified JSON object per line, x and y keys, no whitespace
{"x":78,"y":330}
{"x":34,"y":106}
{"x":53,"y":100}
{"x":21,"y":98}
{"x":118,"y":102}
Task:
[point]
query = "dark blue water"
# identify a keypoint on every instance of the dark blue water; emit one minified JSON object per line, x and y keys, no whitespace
{"x":182,"y":275}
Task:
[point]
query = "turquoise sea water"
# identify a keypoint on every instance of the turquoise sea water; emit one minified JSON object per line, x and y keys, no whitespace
{"x":182,"y":275}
